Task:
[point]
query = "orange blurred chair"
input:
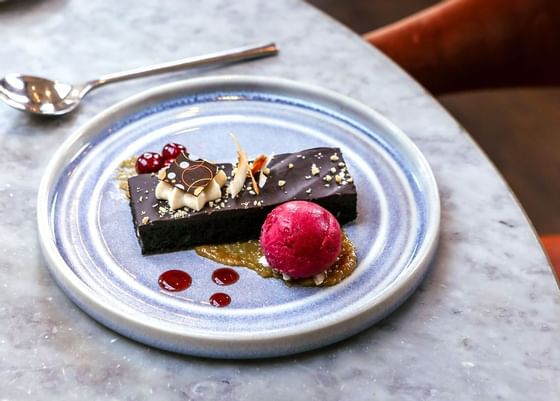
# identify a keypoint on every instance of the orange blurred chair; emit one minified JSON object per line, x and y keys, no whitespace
{"x":551,"y":245}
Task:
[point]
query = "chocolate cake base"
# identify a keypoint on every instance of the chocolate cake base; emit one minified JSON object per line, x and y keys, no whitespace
{"x":308,"y":175}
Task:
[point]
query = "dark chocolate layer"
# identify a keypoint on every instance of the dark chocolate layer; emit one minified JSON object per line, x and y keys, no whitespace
{"x":292,"y":177}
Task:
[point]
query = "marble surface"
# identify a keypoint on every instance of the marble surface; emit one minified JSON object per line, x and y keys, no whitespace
{"x":484,"y":325}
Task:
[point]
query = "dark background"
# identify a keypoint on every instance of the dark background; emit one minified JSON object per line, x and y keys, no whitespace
{"x":519,"y":129}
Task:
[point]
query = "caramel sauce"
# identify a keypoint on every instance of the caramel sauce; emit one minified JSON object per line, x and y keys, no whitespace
{"x":124,"y":172}
{"x":248,"y":253}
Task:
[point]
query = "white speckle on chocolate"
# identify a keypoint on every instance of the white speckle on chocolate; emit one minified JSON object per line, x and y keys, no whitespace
{"x":172,"y":175}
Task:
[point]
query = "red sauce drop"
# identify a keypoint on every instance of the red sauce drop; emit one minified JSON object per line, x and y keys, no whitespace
{"x":225,"y":276}
{"x":219,"y":300}
{"x":175,"y":280}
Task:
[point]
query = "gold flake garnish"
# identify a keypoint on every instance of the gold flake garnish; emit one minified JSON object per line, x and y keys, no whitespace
{"x":145,"y":220}
{"x":254,"y":183}
{"x":258,"y":164}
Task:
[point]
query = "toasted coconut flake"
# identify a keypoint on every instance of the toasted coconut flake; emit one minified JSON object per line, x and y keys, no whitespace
{"x":265,"y":171}
{"x":241,"y":170}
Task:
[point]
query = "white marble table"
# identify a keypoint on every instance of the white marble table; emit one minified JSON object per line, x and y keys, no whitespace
{"x":485,"y":325}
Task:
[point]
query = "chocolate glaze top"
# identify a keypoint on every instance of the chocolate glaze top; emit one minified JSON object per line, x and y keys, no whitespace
{"x":307,"y":175}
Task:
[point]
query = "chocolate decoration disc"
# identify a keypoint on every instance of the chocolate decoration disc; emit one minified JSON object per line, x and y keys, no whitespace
{"x":190,"y":175}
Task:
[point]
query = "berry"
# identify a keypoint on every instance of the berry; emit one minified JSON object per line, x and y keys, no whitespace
{"x":172,"y":150}
{"x":167,"y":162}
{"x":149,"y":162}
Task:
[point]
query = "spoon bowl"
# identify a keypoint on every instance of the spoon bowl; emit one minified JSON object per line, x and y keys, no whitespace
{"x":53,"y":98}
{"x":40,"y":95}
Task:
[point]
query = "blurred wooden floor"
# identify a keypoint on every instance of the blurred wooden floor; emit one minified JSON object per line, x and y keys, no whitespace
{"x":519,"y":129}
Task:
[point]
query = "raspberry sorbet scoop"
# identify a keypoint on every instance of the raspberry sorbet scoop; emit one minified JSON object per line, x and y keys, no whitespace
{"x":300,"y":239}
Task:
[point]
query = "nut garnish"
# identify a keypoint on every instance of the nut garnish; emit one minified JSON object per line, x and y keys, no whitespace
{"x":334,"y":158}
{"x":290,"y":165}
{"x":327,"y":178}
{"x":281,"y":183}
{"x":145,"y":220}
{"x":314,"y":169}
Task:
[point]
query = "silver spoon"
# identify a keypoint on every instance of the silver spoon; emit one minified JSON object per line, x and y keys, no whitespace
{"x":52,"y":98}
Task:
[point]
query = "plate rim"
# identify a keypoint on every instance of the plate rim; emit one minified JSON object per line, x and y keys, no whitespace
{"x":103,"y":311}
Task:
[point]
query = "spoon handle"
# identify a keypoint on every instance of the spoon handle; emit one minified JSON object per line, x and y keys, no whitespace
{"x":228,"y":56}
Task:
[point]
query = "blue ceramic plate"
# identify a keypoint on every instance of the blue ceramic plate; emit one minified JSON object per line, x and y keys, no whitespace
{"x":89,"y":241}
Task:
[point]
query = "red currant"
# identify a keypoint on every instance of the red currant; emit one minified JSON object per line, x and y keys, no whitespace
{"x":149,"y":162}
{"x":168,"y":162}
{"x":172,"y":150}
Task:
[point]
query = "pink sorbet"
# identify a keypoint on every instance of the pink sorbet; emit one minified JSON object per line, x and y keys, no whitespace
{"x":300,"y":239}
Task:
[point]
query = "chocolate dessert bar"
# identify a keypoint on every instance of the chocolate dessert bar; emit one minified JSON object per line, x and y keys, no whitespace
{"x":318,"y":175}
